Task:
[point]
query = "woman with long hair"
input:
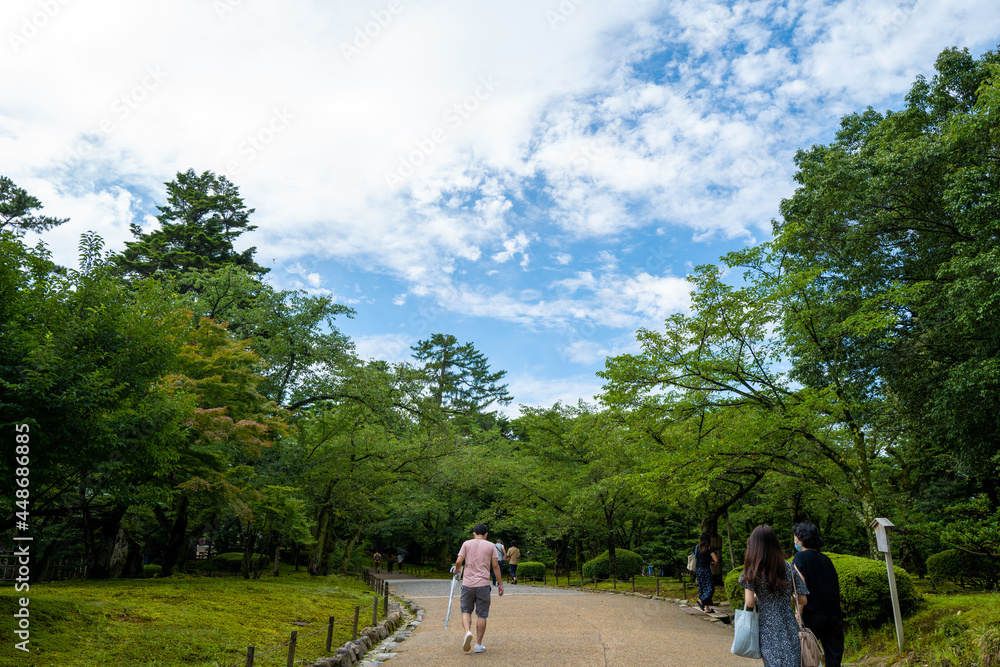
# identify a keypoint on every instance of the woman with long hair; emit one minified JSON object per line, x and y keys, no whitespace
{"x":767,"y":580}
{"x":704,"y":556}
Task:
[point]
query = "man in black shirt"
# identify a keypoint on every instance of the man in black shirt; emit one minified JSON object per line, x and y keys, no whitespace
{"x":822,"y":613}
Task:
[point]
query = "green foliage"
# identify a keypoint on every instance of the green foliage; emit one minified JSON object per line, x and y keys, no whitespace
{"x":203,"y":215}
{"x":459,"y":376}
{"x":627,"y":564}
{"x":16,"y":210}
{"x":150,"y":571}
{"x":964,"y":569}
{"x":530,"y":570}
{"x":864,"y":590}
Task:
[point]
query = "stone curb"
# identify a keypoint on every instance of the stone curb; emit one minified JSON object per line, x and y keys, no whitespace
{"x":377,"y":642}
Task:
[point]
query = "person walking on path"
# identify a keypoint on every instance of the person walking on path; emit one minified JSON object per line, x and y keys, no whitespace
{"x":822,"y":614}
{"x":767,"y":579}
{"x":378,"y":561}
{"x":478,"y":556}
{"x":513,"y":555}
{"x":704,"y":556}
{"x":399,"y":561}
{"x":501,"y":557}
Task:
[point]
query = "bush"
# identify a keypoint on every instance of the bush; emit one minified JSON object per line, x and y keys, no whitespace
{"x":970,"y":572}
{"x":627,"y":562}
{"x":150,"y":571}
{"x":530,"y":570}
{"x":864,"y":590}
{"x":233,"y":561}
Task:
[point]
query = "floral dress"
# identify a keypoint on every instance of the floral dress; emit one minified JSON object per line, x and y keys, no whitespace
{"x":779,"y":631}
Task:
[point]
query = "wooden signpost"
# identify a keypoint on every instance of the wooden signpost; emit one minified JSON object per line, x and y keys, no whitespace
{"x":882,"y":540}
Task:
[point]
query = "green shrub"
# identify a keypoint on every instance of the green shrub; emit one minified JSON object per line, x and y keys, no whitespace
{"x":530,"y":570}
{"x":864,"y":590}
{"x":627,"y":563}
{"x":970,"y":572}
{"x":150,"y":571}
{"x":233,"y":561}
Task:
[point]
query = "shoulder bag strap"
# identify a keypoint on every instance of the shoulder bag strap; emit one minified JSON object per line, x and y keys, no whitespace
{"x":798,"y":609}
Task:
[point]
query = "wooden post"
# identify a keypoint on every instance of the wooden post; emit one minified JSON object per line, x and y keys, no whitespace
{"x":544,"y":581}
{"x":291,"y":648}
{"x":385,"y":603}
{"x":684,"y":583}
{"x":657,"y":587}
{"x":329,"y":636}
{"x":633,"y":583}
{"x":357,"y":611}
{"x":614,"y":581}
{"x":375,"y":612}
{"x":250,"y":653}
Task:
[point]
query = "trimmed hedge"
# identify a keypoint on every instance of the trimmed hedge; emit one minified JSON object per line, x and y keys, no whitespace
{"x":864,"y":590}
{"x":969,"y":572}
{"x":233,"y":561}
{"x":627,"y":563}
{"x":530,"y":570}
{"x":150,"y":571}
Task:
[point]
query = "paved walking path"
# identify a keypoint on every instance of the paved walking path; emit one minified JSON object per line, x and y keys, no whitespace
{"x":553,"y":627}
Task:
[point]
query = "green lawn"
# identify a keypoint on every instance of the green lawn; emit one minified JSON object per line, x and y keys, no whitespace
{"x":181,"y":620}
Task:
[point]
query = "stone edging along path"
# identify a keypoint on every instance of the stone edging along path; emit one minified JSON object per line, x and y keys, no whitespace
{"x":376,"y":645}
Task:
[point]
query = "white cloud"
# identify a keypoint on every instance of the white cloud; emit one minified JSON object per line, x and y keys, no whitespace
{"x":532,"y":391}
{"x":394,"y":348}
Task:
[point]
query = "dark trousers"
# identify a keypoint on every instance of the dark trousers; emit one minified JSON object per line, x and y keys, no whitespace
{"x":829,"y":630}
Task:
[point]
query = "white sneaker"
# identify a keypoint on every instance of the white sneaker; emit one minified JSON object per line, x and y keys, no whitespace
{"x":467,"y":643}
{"x":479,"y":648}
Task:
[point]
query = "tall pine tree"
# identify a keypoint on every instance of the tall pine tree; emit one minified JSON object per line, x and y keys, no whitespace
{"x":203,"y":216}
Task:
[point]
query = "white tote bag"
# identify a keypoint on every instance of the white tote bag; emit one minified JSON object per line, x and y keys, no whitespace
{"x":746,"y":626}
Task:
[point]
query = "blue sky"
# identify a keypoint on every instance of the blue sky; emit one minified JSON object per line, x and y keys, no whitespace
{"x":537,"y":178}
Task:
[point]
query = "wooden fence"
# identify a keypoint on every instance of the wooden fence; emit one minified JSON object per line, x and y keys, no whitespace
{"x":54,"y":570}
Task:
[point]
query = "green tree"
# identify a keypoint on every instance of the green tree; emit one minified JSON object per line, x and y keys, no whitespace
{"x":459,"y":376}
{"x":16,"y":207}
{"x":895,"y":226}
{"x":203,"y":215}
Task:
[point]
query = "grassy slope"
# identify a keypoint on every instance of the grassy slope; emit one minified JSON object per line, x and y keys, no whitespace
{"x":961,"y":629}
{"x":183,"y":620}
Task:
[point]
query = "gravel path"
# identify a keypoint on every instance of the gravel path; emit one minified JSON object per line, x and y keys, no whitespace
{"x":547,"y":626}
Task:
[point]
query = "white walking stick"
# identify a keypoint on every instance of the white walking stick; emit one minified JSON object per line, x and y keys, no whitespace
{"x":451,"y":596}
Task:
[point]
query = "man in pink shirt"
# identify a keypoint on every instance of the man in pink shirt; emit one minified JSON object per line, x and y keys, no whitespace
{"x":479,"y":557}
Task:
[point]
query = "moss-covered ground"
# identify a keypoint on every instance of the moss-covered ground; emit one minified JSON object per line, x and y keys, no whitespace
{"x":948,"y":630}
{"x":181,"y":620}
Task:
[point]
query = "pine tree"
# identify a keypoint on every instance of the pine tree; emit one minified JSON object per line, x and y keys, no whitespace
{"x":16,"y":207}
{"x":203,"y":216}
{"x":459,"y":376}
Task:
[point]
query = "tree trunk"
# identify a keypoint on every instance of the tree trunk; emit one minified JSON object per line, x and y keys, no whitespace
{"x":277,"y":553}
{"x":349,"y":548}
{"x":322,"y":529}
{"x":110,"y":547}
{"x":177,"y":539}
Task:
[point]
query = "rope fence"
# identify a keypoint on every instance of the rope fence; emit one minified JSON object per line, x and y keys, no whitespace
{"x":381,"y":590}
